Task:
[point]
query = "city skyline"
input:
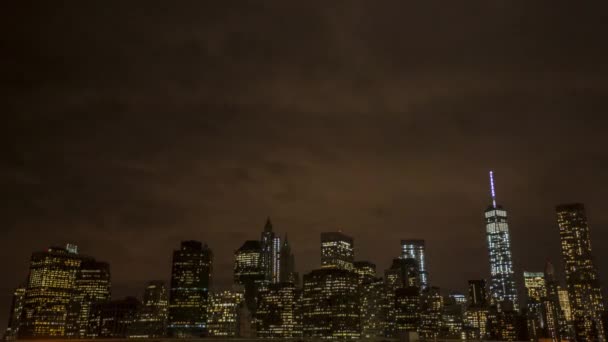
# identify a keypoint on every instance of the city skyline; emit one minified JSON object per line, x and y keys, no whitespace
{"x":128,"y":129}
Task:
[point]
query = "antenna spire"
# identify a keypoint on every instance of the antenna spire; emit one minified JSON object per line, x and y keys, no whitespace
{"x":492,"y":190}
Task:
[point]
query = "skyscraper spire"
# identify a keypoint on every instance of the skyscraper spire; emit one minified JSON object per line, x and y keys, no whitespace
{"x":492,"y":190}
{"x":268,"y":225}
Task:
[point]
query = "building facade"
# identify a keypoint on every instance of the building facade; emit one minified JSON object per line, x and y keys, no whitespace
{"x":249,"y":272}
{"x":14,"y":318}
{"x":279,"y":313}
{"x":224,"y":314}
{"x":582,"y":278}
{"x":337,"y":251}
{"x":503,"y":292}
{"x":151,"y":319}
{"x":190,"y":281}
{"x":331,"y":304}
{"x":415,"y":249}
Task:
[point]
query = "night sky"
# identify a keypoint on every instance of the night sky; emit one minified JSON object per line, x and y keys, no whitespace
{"x":129,"y":126}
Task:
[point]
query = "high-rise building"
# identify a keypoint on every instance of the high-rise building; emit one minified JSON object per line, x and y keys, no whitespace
{"x":556,"y":326}
{"x":477,"y":293}
{"x":476,"y":322}
{"x":407,"y":311}
{"x":365,"y":270}
{"x":151,"y":319}
{"x":564,"y":303}
{"x":190,"y":281}
{"x":503,"y":292}
{"x":279,"y":311}
{"x":373,"y":306}
{"x":431,"y":309}
{"x":114,"y":318}
{"x":50,"y":287}
{"x":270,"y":254}
{"x":415,"y":249}
{"x":330,"y":304}
{"x":224,"y":314}
{"x":287,"y":269}
{"x":401,"y":313}
{"x":452,"y":317}
{"x":337,"y":251}
{"x":581,"y":274}
{"x":92,"y":285}
{"x":536,"y":294}
{"x":15,"y":314}
{"x":248,"y":271}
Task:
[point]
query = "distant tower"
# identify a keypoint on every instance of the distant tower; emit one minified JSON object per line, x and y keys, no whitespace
{"x":287,"y":270}
{"x":190,"y":280}
{"x":581,"y":274}
{"x":502,"y":281}
{"x":337,"y":251}
{"x":151,"y":320}
{"x":477,"y":293}
{"x":415,"y":249}
{"x":269,"y":252}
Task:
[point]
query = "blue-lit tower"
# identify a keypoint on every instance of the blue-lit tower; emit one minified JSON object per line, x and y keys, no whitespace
{"x":503,"y":292}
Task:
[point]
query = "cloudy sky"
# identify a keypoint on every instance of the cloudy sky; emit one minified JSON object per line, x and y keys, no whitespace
{"x":127,"y":127}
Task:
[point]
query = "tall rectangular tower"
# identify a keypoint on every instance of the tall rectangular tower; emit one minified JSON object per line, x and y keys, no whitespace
{"x":190,"y":280}
{"x":415,"y":249}
{"x":502,"y":281}
{"x":337,"y":251}
{"x":581,"y":274}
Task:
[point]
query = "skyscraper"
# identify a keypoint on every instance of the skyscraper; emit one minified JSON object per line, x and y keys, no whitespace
{"x":337,"y":251}
{"x":535,"y":286}
{"x":502,"y":282}
{"x":151,"y":319}
{"x":330,"y":304}
{"x":536,"y":294}
{"x":190,"y":280}
{"x":279,"y":311}
{"x":270,"y":253}
{"x":431,"y":308}
{"x":50,"y":287}
{"x":113,"y":318}
{"x":15,"y":314}
{"x":581,"y":274}
{"x":415,"y":249}
{"x":287,"y":269}
{"x":249,"y":271}
{"x":224,"y":310}
{"x":92,"y":285}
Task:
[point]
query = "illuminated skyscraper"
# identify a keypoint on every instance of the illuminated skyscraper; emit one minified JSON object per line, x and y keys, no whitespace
{"x":431,"y":309}
{"x":581,"y":274}
{"x":50,"y":287}
{"x":279,"y":311}
{"x":92,"y":285}
{"x":502,"y":282}
{"x":224,"y":313}
{"x":401,"y":281}
{"x":556,"y":326}
{"x":270,"y":245}
{"x":190,"y":280}
{"x":452,"y":317}
{"x":415,"y":249}
{"x":248,"y":271}
{"x":15,"y":313}
{"x":564,"y":303}
{"x":536,"y":294}
{"x":151,"y":319}
{"x":330,"y":304}
{"x":337,"y":251}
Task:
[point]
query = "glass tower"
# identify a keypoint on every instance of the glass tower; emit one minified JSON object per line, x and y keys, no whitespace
{"x":414,"y":249}
{"x":582,"y":278}
{"x":337,"y":251}
{"x":502,"y":282}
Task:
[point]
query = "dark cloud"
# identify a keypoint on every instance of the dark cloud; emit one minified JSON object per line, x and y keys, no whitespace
{"x":128,"y":127}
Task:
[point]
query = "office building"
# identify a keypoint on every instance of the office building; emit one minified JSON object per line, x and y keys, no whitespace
{"x":431,"y":310}
{"x":503,"y":292}
{"x":151,"y":319}
{"x":279,"y":311}
{"x":113,"y":319}
{"x":452,"y":317}
{"x":330,"y":304}
{"x":269,"y":258}
{"x":582,"y":278}
{"x":190,"y":281}
{"x":224,"y":314}
{"x":415,"y":249}
{"x":337,"y":251}
{"x":92,"y":285}
{"x":248,"y":271}
{"x":287,"y":268}
{"x":14,"y":318}
{"x":477,"y":293}
{"x":50,"y":286}
{"x":406,"y":311}
{"x":365,"y":270}
{"x":373,"y":306}
{"x":564,"y":303}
